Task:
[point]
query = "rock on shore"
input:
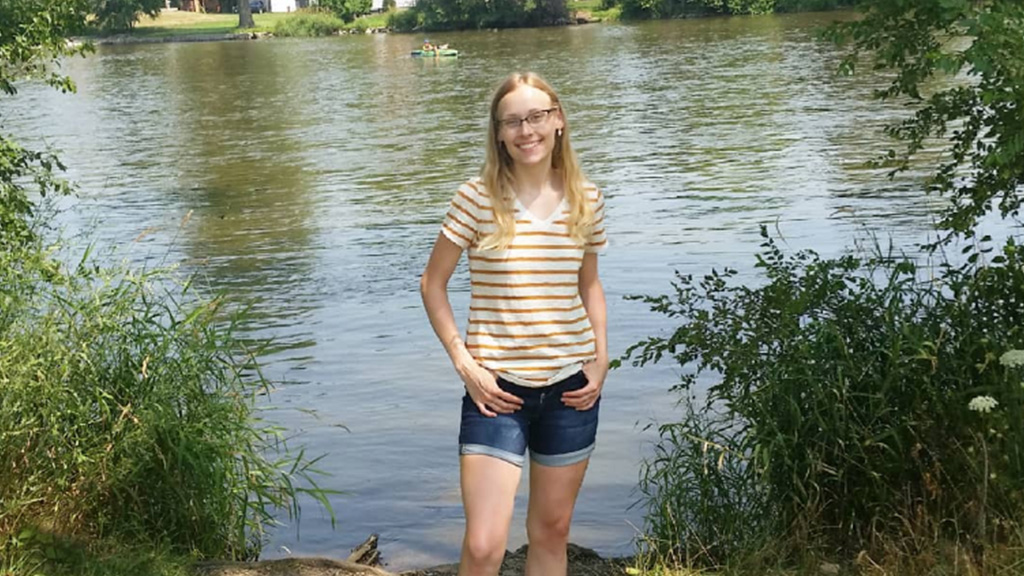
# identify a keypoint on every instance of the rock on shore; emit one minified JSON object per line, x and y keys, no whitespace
{"x":582,"y":562}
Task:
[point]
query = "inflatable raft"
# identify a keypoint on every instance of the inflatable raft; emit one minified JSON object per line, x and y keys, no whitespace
{"x":447,"y":53}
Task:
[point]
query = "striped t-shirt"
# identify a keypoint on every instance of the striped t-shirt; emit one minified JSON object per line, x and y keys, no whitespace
{"x":526,"y":318}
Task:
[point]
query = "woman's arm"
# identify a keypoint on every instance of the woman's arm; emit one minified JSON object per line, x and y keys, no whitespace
{"x":480,"y":382}
{"x":592,"y":294}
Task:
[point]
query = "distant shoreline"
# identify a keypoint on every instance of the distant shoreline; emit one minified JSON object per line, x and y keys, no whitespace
{"x":130,"y":39}
{"x":123,"y":39}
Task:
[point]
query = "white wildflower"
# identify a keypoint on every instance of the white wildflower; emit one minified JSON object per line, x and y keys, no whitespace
{"x":1012,"y":359}
{"x":983,"y":404}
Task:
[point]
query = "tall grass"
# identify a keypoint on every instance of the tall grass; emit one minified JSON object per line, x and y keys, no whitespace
{"x":128,"y":413}
{"x":842,"y":415}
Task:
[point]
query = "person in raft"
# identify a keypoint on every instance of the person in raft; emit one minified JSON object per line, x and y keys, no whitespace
{"x":535,"y":355}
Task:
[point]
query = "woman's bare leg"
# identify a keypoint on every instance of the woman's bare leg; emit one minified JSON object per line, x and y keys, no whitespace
{"x":553,"y":493}
{"x":488,"y":497}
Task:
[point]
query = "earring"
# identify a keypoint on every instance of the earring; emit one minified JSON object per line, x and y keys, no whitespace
{"x":558,"y":132}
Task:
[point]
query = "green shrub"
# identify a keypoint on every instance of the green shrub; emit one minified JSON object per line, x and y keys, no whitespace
{"x":838,"y":415}
{"x":307,"y":24}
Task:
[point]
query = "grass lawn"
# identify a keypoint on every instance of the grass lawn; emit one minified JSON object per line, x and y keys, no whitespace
{"x":180,"y":23}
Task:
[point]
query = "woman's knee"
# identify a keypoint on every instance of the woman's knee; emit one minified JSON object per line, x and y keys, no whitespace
{"x":484,"y":548}
{"x":548,"y":531}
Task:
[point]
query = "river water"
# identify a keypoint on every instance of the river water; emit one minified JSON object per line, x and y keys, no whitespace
{"x":316,"y":173}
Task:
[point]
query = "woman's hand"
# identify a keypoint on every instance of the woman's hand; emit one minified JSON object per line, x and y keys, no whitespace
{"x":482,"y":386}
{"x":586,"y":397}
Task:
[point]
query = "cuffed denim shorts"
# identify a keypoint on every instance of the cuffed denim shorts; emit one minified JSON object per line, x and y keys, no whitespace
{"x":556,"y":434}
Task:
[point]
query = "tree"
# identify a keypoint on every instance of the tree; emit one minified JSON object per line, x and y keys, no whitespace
{"x":245,"y":15}
{"x":347,"y":10}
{"x":983,"y":119}
{"x":122,"y":15}
{"x":33,"y":37}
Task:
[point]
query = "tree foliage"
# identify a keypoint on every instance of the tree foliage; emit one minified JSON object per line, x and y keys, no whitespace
{"x":122,"y":15}
{"x":477,"y":14}
{"x":981,"y":117}
{"x":347,"y":10}
{"x":33,"y":36}
{"x":642,"y":9}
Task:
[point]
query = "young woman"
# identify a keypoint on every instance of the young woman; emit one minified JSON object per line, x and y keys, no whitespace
{"x":535,"y":355}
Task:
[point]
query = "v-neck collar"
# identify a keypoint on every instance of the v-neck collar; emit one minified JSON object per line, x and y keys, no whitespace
{"x":530,"y":215}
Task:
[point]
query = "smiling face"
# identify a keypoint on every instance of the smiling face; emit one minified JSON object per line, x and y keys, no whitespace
{"x":526,"y":142}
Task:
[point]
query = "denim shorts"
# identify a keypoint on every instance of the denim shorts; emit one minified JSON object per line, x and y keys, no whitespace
{"x":556,"y":434}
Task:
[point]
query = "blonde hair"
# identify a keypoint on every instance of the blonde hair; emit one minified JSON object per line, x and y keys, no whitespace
{"x":497,"y":172}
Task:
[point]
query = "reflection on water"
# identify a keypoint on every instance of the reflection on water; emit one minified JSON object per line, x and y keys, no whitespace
{"x":241,"y":173}
{"x":316,"y":173}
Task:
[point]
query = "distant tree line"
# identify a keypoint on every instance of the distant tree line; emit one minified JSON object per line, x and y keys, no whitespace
{"x":475,"y":14}
{"x":653,"y":9}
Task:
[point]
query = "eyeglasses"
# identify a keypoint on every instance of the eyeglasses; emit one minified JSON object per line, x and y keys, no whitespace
{"x":534,"y":118}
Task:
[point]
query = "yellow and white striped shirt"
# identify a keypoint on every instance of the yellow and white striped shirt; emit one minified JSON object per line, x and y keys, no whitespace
{"x":526,"y":317}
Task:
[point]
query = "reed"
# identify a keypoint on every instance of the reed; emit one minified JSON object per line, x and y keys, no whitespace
{"x":129,"y":414}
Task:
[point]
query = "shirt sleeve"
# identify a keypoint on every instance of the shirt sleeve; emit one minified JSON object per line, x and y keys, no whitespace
{"x":597,"y":243}
{"x":462,"y":222}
